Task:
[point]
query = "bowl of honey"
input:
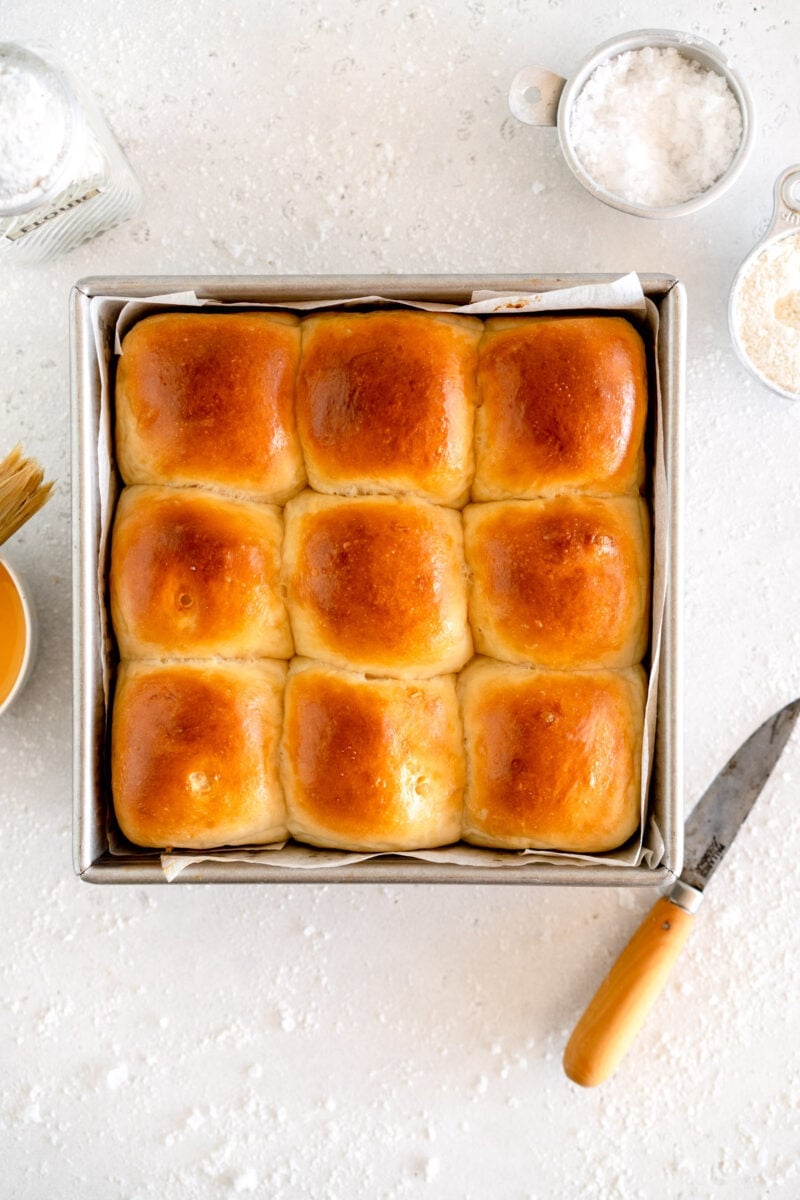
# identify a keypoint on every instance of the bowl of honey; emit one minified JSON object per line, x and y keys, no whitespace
{"x":17,"y":635}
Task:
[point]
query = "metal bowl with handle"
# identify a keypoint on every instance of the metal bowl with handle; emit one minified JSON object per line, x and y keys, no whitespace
{"x":540,"y":97}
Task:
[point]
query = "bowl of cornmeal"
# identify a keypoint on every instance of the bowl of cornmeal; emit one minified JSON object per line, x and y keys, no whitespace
{"x":764,"y":308}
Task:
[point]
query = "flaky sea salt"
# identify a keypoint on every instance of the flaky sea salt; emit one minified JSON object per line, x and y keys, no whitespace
{"x":766,"y":313}
{"x":654,"y":127}
{"x":117,"y":1076}
{"x":246,"y":1181}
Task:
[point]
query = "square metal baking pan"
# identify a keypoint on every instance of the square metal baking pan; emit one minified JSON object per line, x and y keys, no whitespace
{"x":93,"y":860}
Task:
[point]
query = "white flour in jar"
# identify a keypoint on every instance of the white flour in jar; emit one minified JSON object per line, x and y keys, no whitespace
{"x":766,"y":312}
{"x":63,"y":176}
{"x":654,"y":127}
{"x":34,"y":128}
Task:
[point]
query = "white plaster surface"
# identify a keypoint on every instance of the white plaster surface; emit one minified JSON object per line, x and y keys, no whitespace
{"x":336,"y":1042}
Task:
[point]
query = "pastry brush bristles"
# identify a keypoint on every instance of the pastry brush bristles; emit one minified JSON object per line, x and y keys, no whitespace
{"x":22,"y":491}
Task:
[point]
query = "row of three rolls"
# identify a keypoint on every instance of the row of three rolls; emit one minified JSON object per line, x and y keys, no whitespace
{"x":435,"y":406}
{"x":208,"y":754}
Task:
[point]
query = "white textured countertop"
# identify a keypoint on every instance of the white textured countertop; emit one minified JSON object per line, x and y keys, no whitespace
{"x":345,"y":1042}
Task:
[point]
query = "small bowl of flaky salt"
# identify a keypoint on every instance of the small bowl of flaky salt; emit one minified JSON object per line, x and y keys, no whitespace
{"x":655,"y":123}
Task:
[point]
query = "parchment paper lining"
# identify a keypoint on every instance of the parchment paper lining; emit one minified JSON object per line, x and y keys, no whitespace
{"x":111,"y":318}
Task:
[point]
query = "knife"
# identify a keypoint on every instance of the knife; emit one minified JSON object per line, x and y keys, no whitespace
{"x":606,"y":1030}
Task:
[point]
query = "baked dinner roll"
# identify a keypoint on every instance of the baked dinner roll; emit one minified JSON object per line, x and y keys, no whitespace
{"x":562,"y":406}
{"x":194,"y":753}
{"x":371,"y":764}
{"x":195,"y":575}
{"x":386,"y":402}
{"x":209,"y":399}
{"x":553,"y":757}
{"x":561,"y":583}
{"x":377,"y":584}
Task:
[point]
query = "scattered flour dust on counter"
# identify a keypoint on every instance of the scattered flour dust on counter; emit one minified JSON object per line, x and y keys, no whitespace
{"x":654,"y":127}
{"x":766,"y":313}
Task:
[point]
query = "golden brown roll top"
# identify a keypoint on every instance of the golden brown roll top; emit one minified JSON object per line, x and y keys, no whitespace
{"x":385,"y":403}
{"x":377,"y":584}
{"x":554,"y":757}
{"x":196,"y":575}
{"x":371,"y":764}
{"x":561,"y":583}
{"x":562,"y":407}
{"x":203,"y":398}
{"x":194,"y":753}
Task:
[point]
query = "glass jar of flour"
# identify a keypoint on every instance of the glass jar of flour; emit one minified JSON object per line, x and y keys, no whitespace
{"x":63,"y":177}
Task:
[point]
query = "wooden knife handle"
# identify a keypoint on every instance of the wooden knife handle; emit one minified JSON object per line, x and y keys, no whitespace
{"x":605,"y":1031}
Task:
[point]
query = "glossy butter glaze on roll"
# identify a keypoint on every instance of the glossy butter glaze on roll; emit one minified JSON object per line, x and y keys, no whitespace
{"x":553,"y":757}
{"x":386,"y":402}
{"x":371,"y":764}
{"x":194,"y":753}
{"x":561,"y":583}
{"x":204,"y":398}
{"x":194,"y":575}
{"x":562,"y":407}
{"x":377,"y":584}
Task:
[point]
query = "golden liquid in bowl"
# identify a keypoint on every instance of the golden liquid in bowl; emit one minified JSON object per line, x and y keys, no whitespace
{"x":13,"y":634}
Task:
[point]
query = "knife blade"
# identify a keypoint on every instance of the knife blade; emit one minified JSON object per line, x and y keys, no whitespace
{"x":606,"y":1030}
{"x":718,"y":816}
